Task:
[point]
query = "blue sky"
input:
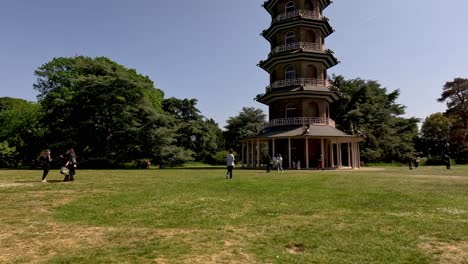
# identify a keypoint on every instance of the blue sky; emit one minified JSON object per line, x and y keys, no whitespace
{"x":209,"y":49}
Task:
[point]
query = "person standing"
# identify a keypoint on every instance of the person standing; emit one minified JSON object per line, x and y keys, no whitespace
{"x":447,"y":161}
{"x":45,"y":160}
{"x":230,"y":164}
{"x":279,"y":163}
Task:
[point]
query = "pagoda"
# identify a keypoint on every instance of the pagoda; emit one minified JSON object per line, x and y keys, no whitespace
{"x":299,"y":96}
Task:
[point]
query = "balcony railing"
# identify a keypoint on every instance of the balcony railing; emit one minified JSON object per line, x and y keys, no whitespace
{"x":301,"y":121}
{"x":298,"y":81}
{"x":307,"y":46}
{"x":298,"y":13}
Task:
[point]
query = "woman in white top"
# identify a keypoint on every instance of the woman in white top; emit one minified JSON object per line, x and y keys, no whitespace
{"x":230,"y":164}
{"x":279,"y":163}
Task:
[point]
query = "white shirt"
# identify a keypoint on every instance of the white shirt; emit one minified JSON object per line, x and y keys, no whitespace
{"x":230,"y":159}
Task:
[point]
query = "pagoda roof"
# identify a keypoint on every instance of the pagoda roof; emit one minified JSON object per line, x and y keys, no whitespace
{"x":298,"y":132}
{"x":326,"y":58}
{"x":322,"y":24}
{"x":298,"y":91}
{"x":269,"y":4}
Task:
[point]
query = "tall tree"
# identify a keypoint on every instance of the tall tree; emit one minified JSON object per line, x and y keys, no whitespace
{"x":104,"y":109}
{"x":249,"y":122}
{"x":20,"y":130}
{"x":366,"y":108}
{"x":435,"y":135}
{"x":194,"y":132}
{"x":455,"y":94}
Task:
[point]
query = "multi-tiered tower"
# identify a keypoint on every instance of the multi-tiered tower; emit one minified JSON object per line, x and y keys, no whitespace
{"x":299,"y":94}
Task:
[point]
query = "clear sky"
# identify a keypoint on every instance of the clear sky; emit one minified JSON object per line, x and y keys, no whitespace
{"x":209,"y":49}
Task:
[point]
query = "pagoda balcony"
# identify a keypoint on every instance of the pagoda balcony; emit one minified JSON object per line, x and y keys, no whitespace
{"x":298,"y":81}
{"x":306,"y":46}
{"x":301,"y":121}
{"x":298,"y":13}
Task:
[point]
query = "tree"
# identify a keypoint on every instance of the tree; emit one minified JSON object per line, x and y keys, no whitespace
{"x":368,"y":109}
{"x":435,"y":135}
{"x":194,"y":132}
{"x":249,"y":122}
{"x":20,"y":130}
{"x":455,"y":94}
{"x":182,"y":109}
{"x":102,"y":108}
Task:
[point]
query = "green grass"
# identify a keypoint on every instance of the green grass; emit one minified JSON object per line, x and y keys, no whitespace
{"x":390,"y":215}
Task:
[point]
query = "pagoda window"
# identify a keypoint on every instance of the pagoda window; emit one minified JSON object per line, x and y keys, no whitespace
{"x":290,"y":38}
{"x":290,"y":73}
{"x":290,"y":7}
{"x":291,"y":111}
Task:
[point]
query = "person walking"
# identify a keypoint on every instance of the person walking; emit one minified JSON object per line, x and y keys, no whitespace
{"x":267,"y":161}
{"x":230,"y":164}
{"x":279,"y":163}
{"x":45,"y":160}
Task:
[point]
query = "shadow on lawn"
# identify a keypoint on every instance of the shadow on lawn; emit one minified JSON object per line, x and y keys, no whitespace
{"x":51,"y":181}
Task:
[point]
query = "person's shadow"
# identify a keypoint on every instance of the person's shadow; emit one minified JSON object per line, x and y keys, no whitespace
{"x":48,"y":181}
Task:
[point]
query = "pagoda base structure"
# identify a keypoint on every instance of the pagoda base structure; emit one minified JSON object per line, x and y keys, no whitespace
{"x":316,"y":147}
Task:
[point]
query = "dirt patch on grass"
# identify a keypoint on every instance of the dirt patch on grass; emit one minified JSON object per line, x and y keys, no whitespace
{"x":438,"y":177}
{"x":38,"y":243}
{"x":232,"y":252}
{"x":11,"y":185}
{"x":453,"y":252}
{"x":295,"y":248}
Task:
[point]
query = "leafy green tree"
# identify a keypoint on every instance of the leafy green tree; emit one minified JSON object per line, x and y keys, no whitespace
{"x":194,"y":132}
{"x":249,"y":122}
{"x":367,"y":109}
{"x":20,"y":130}
{"x":182,"y":109}
{"x":455,"y":94}
{"x":435,"y":135}
{"x":8,"y":155}
{"x":102,"y":108}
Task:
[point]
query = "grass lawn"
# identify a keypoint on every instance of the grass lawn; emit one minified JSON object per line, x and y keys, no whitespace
{"x":390,"y":215}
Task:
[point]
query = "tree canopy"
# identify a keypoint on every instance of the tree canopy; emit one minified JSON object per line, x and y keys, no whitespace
{"x":102,"y":108}
{"x":20,"y":131}
{"x":366,"y":108}
{"x":455,"y":94}
{"x":435,"y":135}
{"x":193,"y":131}
{"x":249,"y":122}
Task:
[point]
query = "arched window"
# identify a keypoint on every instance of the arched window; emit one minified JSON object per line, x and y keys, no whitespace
{"x":290,"y":6}
{"x":310,"y":5}
{"x":290,"y":38}
{"x":290,"y":73}
{"x":291,"y":110}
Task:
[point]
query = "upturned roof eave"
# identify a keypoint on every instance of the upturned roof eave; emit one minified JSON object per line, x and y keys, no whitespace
{"x":328,"y":59}
{"x":323,"y":25}
{"x":269,"y":4}
{"x":270,"y":97}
